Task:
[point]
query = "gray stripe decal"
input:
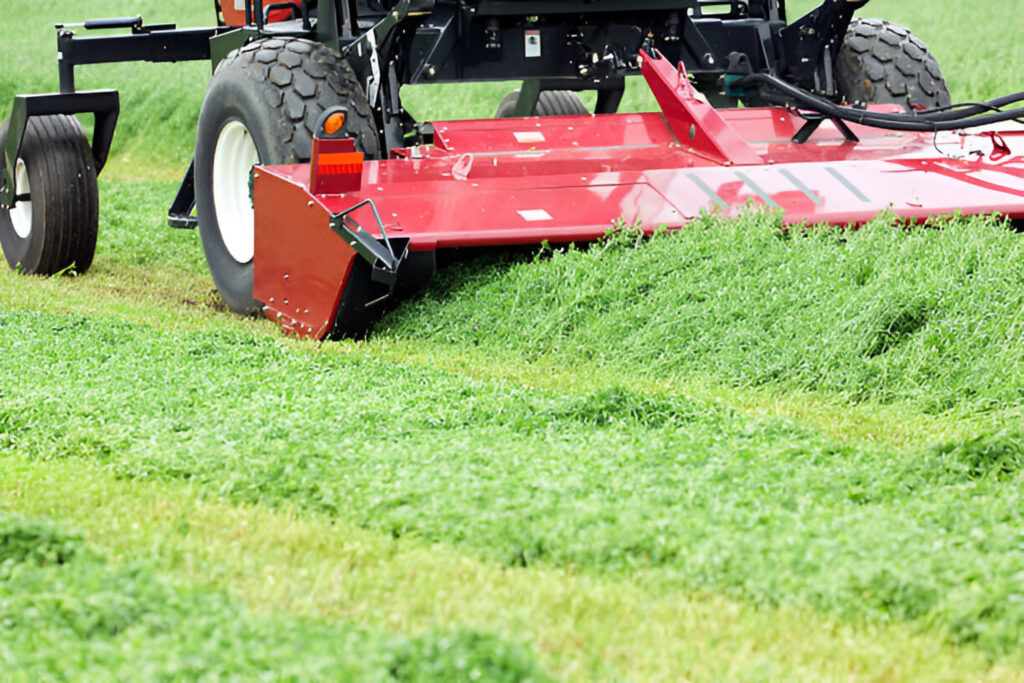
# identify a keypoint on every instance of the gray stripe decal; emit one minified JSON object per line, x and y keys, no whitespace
{"x":803,"y":188}
{"x":708,"y":191}
{"x":548,"y":150}
{"x":848,"y":185}
{"x":765,"y":197}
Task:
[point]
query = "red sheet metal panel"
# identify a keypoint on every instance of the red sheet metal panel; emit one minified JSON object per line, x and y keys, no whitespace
{"x":301,"y":265}
{"x":522,"y":181}
{"x":462,"y":199}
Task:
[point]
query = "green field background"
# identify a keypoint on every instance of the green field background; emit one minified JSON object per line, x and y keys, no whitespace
{"x":728,"y":452}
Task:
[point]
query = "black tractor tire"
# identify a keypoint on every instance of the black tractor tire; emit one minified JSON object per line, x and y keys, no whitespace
{"x":273,"y":91}
{"x":55,"y":230}
{"x":550,"y":103}
{"x":883,"y":63}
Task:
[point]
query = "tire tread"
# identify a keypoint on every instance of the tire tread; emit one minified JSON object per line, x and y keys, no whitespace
{"x":279,"y":88}
{"x":550,"y":103}
{"x":65,"y":200}
{"x":882,"y":62}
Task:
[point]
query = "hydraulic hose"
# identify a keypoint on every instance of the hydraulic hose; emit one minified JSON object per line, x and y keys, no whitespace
{"x":952,"y":117}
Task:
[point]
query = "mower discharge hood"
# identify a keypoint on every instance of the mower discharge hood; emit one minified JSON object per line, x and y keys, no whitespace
{"x":572,"y":179}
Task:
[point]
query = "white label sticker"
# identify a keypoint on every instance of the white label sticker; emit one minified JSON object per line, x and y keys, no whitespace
{"x":534,"y":215}
{"x":533,"y":49}
{"x":240,"y":5}
{"x":529,"y":137}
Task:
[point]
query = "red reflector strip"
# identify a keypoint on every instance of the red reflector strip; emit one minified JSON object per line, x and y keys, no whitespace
{"x":339,"y":169}
{"x":346,"y":163}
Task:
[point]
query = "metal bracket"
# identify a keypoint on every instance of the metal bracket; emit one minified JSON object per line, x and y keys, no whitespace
{"x":180,"y":214}
{"x":103,"y":104}
{"x":372,"y":61}
{"x":374,"y":38}
{"x":378,"y":252}
{"x":814,"y":121}
{"x":694,"y":122}
{"x":805,"y":41}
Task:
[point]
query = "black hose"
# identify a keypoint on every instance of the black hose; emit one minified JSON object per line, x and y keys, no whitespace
{"x":953,"y":117}
{"x":969,"y":108}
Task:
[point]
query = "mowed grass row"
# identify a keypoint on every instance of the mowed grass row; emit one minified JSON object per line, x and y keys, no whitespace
{"x":319,"y":575}
{"x":611,"y":481}
{"x":69,"y":613}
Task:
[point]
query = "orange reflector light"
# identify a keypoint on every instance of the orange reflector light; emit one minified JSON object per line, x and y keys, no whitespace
{"x":334,"y":123}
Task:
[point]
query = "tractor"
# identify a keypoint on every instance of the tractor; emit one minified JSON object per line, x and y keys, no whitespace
{"x":318,"y":197}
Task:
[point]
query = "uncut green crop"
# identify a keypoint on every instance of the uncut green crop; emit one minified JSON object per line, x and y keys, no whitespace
{"x":933,"y":318}
{"x":612,"y":480}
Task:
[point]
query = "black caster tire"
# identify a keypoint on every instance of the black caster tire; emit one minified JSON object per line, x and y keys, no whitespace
{"x":53,"y":228}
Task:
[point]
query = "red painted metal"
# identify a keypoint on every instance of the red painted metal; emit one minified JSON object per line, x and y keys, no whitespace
{"x":695,"y":123}
{"x":565,"y":179}
{"x":335,"y":167}
{"x":234,"y":13}
{"x":301,"y":265}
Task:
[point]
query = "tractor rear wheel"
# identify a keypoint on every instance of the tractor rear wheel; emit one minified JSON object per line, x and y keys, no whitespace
{"x":882,"y":63}
{"x":262,"y":106}
{"x":550,"y":103}
{"x":53,"y":227}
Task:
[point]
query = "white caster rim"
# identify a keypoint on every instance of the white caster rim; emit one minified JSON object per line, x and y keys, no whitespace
{"x":21,"y":212}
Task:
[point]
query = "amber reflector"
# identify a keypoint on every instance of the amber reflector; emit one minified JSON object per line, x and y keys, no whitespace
{"x":334,"y":123}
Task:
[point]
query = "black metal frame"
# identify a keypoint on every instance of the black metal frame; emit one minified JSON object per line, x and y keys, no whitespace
{"x":591,"y":45}
{"x":156,"y":43}
{"x":548,"y":44}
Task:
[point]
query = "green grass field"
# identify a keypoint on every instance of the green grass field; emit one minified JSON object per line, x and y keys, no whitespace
{"x":721,"y":453}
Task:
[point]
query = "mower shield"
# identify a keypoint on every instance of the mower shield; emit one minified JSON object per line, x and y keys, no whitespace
{"x":572,"y":179}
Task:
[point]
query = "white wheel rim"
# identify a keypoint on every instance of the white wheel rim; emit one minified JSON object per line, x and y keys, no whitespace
{"x":21,"y":212}
{"x":233,"y":159}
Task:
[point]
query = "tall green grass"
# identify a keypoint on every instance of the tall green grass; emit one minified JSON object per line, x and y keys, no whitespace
{"x":929,"y":317}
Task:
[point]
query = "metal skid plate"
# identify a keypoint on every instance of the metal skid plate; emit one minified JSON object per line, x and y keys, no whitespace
{"x":301,"y":264}
{"x":571,"y":179}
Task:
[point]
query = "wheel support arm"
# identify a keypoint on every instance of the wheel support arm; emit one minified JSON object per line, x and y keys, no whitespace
{"x":103,"y":104}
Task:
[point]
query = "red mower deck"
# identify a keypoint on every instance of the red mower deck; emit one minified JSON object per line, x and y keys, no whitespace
{"x":571,"y":179}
